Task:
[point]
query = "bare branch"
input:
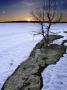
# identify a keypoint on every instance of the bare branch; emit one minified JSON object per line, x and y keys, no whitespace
{"x":48,"y":11}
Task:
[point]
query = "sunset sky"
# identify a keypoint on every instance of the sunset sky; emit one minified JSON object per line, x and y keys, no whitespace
{"x":14,"y":10}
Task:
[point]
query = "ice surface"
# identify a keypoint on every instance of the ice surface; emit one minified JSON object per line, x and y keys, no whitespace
{"x":55,"y":76}
{"x":16,"y":43}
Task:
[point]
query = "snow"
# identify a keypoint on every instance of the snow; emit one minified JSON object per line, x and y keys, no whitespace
{"x":59,"y":29}
{"x":55,"y":76}
{"x":16,"y":43}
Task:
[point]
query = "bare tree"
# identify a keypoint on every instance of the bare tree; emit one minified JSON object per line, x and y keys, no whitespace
{"x":48,"y":12}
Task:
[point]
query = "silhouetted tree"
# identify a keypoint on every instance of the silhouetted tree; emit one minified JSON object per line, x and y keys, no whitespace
{"x":48,"y":12}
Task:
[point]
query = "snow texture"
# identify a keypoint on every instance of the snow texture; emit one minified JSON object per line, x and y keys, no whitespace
{"x":55,"y":76}
{"x":16,"y":43}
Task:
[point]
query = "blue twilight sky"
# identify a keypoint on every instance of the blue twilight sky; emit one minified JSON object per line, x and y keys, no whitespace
{"x":20,"y":9}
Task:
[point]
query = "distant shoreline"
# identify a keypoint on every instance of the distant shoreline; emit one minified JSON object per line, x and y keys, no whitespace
{"x":29,"y":22}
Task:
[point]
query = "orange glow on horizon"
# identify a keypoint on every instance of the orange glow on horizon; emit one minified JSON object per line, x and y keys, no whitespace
{"x":28,"y":19}
{"x":20,"y":18}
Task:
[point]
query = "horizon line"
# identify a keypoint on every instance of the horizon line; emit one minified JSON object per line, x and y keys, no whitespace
{"x":31,"y":21}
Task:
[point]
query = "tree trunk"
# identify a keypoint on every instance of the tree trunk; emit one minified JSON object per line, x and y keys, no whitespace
{"x":47,"y":36}
{"x":44,"y":39}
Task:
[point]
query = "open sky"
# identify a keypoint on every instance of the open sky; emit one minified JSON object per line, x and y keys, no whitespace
{"x":11,"y":10}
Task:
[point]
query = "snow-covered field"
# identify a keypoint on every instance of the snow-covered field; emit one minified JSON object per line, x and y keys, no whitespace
{"x":55,"y":76}
{"x":16,"y":43}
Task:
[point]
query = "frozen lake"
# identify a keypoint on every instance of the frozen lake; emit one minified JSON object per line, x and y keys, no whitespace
{"x":16,"y":43}
{"x":55,"y":75}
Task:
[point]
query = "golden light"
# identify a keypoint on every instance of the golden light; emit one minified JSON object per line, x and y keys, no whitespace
{"x":28,"y":19}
